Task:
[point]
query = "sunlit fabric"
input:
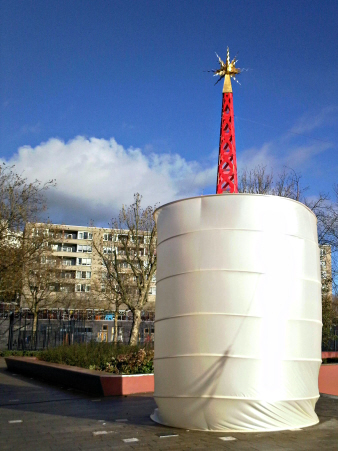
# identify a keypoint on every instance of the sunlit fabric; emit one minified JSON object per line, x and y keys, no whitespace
{"x":238,"y":314}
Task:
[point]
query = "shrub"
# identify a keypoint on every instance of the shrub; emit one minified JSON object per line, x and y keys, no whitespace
{"x":7,"y":353}
{"x":116,"y":359}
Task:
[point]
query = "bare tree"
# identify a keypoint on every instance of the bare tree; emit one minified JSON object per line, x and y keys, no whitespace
{"x":259,"y":181}
{"x":104,"y":289}
{"x":288,"y":184}
{"x":20,"y":202}
{"x":42,"y":279}
{"x":130,"y":262}
{"x":335,"y":308}
{"x":256,"y":181}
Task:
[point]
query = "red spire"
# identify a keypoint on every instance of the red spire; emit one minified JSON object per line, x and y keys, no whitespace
{"x":227,"y":165}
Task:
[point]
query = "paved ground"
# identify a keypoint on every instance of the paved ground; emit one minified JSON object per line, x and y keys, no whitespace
{"x":38,"y":416}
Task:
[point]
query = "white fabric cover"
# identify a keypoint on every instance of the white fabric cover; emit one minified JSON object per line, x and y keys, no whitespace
{"x":238,"y":314}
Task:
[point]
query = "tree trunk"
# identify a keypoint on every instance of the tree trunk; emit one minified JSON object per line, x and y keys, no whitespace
{"x":116,"y":318}
{"x":35,"y":322}
{"x":135,"y":328}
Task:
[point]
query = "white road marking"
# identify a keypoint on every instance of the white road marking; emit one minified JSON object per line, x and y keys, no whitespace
{"x":227,"y":439}
{"x":14,"y":421}
{"x":102,"y":432}
{"x":130,"y":440}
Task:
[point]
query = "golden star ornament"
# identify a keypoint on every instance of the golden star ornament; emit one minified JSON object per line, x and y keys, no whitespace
{"x":227,"y":71}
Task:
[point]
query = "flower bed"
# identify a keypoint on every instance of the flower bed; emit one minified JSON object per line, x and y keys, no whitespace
{"x":102,"y":369}
{"x":94,"y":382}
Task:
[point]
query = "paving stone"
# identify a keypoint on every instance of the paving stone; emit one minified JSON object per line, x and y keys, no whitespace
{"x":56,"y":419}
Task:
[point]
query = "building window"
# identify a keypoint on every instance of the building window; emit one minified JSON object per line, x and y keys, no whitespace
{"x":67,"y":249}
{"x":107,"y":237}
{"x":81,"y":248}
{"x":82,"y":287}
{"x":107,"y":250}
{"x":66,"y":289}
{"x":83,"y":274}
{"x":84,"y":235}
{"x":152,"y":290}
{"x":84,"y":261}
{"x":48,"y":261}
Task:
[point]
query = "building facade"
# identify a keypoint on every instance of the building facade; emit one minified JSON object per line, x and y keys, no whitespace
{"x":73,"y":254}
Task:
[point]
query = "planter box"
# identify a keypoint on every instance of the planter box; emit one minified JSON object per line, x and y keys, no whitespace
{"x":328,"y":379}
{"x":104,"y":384}
{"x":89,"y":381}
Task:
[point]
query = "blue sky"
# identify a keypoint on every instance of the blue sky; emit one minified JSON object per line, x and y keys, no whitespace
{"x":111,"y":97}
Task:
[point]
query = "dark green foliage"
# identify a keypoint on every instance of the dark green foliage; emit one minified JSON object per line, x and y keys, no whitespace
{"x":116,"y":359}
{"x":6,"y":353}
{"x":329,"y":361}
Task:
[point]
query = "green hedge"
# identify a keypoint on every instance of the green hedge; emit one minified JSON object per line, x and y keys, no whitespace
{"x":103,"y":357}
{"x":6,"y":353}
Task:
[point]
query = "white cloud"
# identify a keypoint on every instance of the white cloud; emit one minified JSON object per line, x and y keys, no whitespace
{"x":309,"y":122}
{"x":96,"y":176}
{"x":264,"y":156}
{"x":285,"y":150}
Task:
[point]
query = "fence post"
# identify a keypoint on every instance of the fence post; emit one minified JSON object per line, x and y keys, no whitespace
{"x":10,"y":331}
{"x":48,"y":331}
{"x":24,"y":335}
{"x":19,"y":334}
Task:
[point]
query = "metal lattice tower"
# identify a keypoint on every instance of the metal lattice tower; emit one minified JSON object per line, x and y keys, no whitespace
{"x":227,"y":165}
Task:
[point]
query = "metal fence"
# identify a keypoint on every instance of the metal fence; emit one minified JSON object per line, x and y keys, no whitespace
{"x":332,"y":346}
{"x":18,"y":331}
{"x":60,"y":327}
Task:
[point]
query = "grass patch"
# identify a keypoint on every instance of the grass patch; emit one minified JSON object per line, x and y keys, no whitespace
{"x":115,"y":359}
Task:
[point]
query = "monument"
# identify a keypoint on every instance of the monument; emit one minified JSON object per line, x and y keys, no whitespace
{"x":238,"y":306}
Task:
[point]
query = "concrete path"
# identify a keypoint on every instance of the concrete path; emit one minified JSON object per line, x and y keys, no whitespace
{"x":38,"y":416}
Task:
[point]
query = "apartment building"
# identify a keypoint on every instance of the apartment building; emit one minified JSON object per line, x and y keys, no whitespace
{"x":79,"y":266}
